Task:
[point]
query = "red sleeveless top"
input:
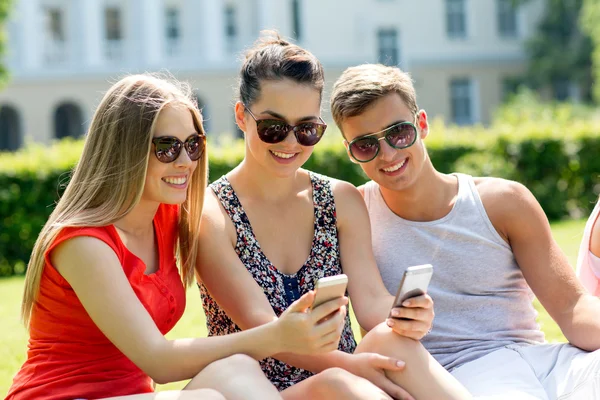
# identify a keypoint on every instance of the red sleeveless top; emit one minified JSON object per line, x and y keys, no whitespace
{"x":68,"y":356}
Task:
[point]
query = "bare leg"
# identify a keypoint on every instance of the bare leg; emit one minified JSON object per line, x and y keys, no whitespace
{"x":423,"y":377}
{"x":200,"y":394}
{"x":236,"y":377}
{"x":334,"y":383}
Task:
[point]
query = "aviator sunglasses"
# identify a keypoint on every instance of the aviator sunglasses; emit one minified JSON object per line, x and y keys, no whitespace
{"x":399,"y":136}
{"x":275,"y":130}
{"x":168,"y":148}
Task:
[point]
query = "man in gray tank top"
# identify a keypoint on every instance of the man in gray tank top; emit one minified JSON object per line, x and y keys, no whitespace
{"x":489,"y":242}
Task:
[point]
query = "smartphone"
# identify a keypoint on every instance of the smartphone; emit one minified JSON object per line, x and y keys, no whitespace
{"x":329,"y":288}
{"x":414,"y":283}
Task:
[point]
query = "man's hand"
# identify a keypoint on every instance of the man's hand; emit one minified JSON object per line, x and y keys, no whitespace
{"x":418,"y":314}
{"x":372,"y":367}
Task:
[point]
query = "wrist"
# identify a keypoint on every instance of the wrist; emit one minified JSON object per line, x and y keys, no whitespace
{"x":274,"y":337}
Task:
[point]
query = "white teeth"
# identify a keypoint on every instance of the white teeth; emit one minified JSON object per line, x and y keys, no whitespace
{"x":395,"y":167}
{"x":176,"y":181}
{"x":283,"y":155}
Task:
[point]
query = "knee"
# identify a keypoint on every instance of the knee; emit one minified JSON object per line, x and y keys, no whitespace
{"x":333,"y":381}
{"x":237,"y":365}
{"x":383,"y":340}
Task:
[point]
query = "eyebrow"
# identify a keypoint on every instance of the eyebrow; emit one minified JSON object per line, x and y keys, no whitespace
{"x":279,"y":116}
{"x":386,"y":128}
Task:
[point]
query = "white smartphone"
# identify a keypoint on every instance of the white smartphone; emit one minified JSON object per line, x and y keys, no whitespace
{"x":329,"y":288}
{"x":414,"y":283}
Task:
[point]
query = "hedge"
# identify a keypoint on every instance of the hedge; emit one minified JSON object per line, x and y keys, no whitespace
{"x":560,"y":163}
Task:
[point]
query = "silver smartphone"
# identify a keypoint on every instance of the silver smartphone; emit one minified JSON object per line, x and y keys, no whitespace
{"x":329,"y":288}
{"x":414,"y":283}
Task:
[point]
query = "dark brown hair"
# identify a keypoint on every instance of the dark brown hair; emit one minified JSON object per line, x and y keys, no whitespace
{"x":273,"y":58}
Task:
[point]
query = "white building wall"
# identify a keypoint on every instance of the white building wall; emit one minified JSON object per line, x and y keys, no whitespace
{"x":340,"y":33}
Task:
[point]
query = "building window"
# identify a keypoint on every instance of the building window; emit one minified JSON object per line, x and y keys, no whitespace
{"x":10,"y":129}
{"x":173,"y":32}
{"x":456,"y":19}
{"x":113,"y":33}
{"x":231,"y":28}
{"x":68,"y":121}
{"x":387,"y":43}
{"x":461,"y":101}
{"x":507,"y":18}
{"x":296,"y":20}
{"x":55,"y":38}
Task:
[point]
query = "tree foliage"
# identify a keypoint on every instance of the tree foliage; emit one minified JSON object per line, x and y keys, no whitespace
{"x":560,"y":52}
{"x":590,"y":18}
{"x":5,"y":8}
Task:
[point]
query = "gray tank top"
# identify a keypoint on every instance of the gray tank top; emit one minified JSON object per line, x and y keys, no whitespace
{"x":482,"y":302}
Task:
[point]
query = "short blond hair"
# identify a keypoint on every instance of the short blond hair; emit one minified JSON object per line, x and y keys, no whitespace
{"x":359,"y":87}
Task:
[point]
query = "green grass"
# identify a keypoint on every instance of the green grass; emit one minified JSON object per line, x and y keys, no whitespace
{"x":13,"y":336}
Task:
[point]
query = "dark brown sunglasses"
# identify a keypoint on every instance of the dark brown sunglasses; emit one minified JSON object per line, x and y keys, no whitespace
{"x":275,"y":130}
{"x":168,"y":148}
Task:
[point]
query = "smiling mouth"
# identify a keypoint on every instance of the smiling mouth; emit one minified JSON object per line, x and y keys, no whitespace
{"x":283,"y":155}
{"x":395,"y":167}
{"x":176,"y":181}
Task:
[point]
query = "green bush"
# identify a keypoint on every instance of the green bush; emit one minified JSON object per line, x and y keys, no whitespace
{"x":559,"y":162}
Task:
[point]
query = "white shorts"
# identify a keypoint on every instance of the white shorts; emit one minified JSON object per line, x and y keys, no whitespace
{"x":545,"y":371}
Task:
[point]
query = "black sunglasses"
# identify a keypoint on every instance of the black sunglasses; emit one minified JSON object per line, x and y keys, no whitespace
{"x":168,"y":148}
{"x":275,"y":130}
{"x":399,"y":136}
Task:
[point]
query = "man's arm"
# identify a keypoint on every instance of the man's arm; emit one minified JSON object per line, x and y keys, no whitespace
{"x":520,"y":220}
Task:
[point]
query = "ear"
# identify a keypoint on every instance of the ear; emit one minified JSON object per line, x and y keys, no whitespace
{"x":422,"y":124}
{"x":240,"y":116}
{"x":346,"y":145}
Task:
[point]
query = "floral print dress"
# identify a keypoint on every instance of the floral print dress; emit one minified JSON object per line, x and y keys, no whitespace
{"x":281,"y":289}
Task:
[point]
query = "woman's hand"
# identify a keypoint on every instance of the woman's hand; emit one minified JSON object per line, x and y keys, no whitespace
{"x":305,"y":331}
{"x":373,"y":367}
{"x":419,"y":315}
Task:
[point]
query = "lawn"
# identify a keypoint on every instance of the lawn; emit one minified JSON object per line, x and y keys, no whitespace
{"x":14,"y":338}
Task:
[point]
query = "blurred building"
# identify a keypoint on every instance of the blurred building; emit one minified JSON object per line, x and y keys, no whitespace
{"x":62,"y":54}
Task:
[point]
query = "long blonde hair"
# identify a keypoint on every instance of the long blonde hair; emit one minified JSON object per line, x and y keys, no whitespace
{"x":108,"y":180}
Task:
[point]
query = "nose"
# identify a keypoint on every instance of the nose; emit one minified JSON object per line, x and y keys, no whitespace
{"x":386,"y":152}
{"x":183,"y":161}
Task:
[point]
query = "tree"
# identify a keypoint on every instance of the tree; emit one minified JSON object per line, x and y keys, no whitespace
{"x":560,"y":52}
{"x":5,"y":7}
{"x":590,"y":16}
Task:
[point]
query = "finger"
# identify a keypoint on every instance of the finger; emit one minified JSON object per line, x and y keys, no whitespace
{"x":412,"y":329}
{"x":327,"y":308}
{"x":422,"y":301}
{"x":331,"y":339}
{"x":387,"y":363}
{"x":303,"y":303}
{"x":419,"y":314}
{"x":394,"y":390}
{"x":331,"y":324}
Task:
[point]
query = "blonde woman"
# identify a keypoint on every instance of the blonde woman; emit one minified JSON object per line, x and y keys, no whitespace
{"x":103,"y":287}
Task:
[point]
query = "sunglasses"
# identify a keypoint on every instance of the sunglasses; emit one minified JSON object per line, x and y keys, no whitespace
{"x":168,"y":148}
{"x":399,"y":136}
{"x":275,"y":130}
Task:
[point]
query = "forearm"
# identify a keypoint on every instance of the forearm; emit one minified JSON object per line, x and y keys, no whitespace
{"x":372,"y":311}
{"x":316,"y":363}
{"x":181,"y":359}
{"x":582,"y":327}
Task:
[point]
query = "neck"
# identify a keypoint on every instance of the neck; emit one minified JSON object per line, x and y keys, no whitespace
{"x":252,"y":177}
{"x":431,"y":197}
{"x":138,"y":222}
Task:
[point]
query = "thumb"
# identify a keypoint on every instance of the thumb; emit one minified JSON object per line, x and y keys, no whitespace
{"x":303,"y":303}
{"x":388,"y":363}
